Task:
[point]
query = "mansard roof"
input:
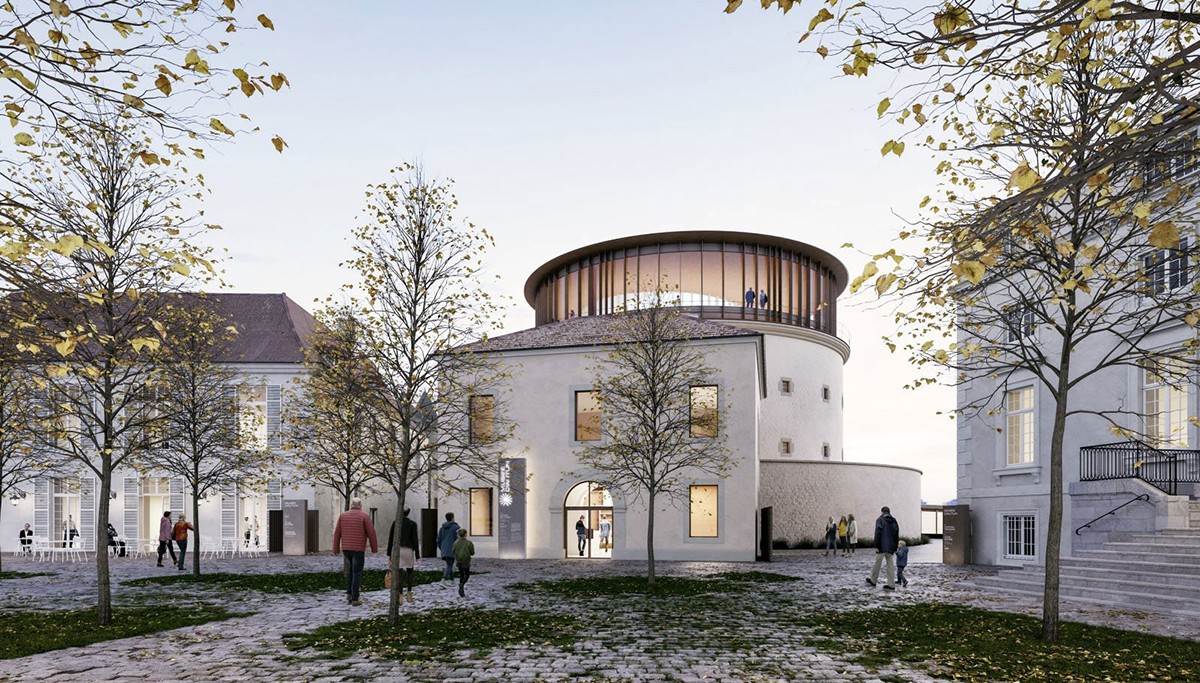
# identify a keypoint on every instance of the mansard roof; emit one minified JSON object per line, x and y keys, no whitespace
{"x":596,"y":330}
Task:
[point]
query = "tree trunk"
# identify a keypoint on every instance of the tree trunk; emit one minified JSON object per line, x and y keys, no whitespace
{"x":196,"y":531}
{"x":1054,"y":528}
{"x":650,"y":542}
{"x":1,"y":527}
{"x":103,"y":583}
{"x":346,"y":508}
{"x":394,"y":594}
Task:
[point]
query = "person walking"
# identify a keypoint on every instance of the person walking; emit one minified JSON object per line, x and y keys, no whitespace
{"x":351,"y":535}
{"x":842,"y":545}
{"x":410,"y":550}
{"x":830,"y":536}
{"x":887,"y":539}
{"x":180,"y":534}
{"x":901,"y":563}
{"x":749,"y":298}
{"x":164,"y":539}
{"x":581,"y":533}
{"x":851,"y":533}
{"x":463,"y":550}
{"x":446,"y":537}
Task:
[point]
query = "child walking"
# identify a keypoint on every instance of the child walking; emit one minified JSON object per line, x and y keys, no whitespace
{"x":901,"y":563}
{"x":463,"y":550}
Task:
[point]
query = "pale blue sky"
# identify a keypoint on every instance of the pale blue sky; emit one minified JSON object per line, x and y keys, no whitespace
{"x":567,"y":123}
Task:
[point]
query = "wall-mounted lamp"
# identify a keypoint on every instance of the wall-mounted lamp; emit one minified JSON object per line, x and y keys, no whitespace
{"x":16,"y":495}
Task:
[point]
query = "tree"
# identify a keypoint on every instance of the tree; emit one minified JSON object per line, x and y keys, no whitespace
{"x":330,"y":418}
{"x":20,"y":398}
{"x":97,"y":241}
{"x":949,"y":50}
{"x":656,"y":433}
{"x":201,"y":436}
{"x":437,"y":406}
{"x":1079,"y":283}
{"x":160,"y":59}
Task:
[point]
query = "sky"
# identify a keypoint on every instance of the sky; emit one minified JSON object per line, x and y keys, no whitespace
{"x":564,"y":124}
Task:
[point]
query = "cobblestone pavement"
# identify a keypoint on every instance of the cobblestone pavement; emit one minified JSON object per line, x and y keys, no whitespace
{"x":680,"y":639}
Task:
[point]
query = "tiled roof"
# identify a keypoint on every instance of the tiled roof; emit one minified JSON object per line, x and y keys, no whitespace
{"x":271,"y":327}
{"x":593,"y":330}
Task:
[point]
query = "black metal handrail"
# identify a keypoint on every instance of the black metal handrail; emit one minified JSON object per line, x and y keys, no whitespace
{"x":1144,"y":496}
{"x":1163,"y":468}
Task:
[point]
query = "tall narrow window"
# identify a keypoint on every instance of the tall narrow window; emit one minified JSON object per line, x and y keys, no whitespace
{"x":587,"y":416}
{"x":704,"y":417}
{"x":703,"y":511}
{"x":252,"y":415}
{"x":1020,"y":537}
{"x":1165,"y":404}
{"x":1167,"y":269}
{"x":1018,"y":413}
{"x":483,"y":418}
{"x":481,"y":512}
{"x":1021,"y":324}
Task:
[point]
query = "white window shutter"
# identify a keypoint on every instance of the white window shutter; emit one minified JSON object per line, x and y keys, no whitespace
{"x":274,"y":436}
{"x":41,"y":507}
{"x":177,"y":497}
{"x":229,"y":512}
{"x":129,"y":523}
{"x":87,"y":513}
{"x":275,"y":494}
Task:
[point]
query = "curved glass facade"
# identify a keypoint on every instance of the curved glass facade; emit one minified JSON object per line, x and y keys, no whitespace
{"x":723,"y":280}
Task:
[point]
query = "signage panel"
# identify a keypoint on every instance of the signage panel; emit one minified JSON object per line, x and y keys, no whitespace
{"x":295,"y":527}
{"x":511,"y":520}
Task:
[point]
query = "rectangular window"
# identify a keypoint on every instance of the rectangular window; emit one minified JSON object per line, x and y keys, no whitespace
{"x":1167,"y":269}
{"x":482,"y":418}
{"x":703,"y":511}
{"x":587,"y":416}
{"x":1020,"y":324}
{"x":1020,"y":534}
{"x":825,"y":394}
{"x":785,"y":446}
{"x":703,"y":413}
{"x":252,"y":415}
{"x":1165,"y":404}
{"x":1018,"y":424}
{"x":481,"y":511}
{"x":785,"y":387}
{"x":825,"y":451}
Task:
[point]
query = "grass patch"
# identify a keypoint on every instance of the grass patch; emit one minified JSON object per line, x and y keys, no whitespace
{"x":596,"y":586}
{"x":29,"y":633}
{"x":438,"y":632}
{"x":22,"y":575}
{"x":296,"y":582}
{"x":968,"y":643}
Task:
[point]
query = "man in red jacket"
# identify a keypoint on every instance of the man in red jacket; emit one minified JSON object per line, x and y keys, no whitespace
{"x":350,"y":536}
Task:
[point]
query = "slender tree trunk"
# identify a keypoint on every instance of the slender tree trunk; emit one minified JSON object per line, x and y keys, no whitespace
{"x":394,"y":561}
{"x":103,"y":583}
{"x":196,"y":523}
{"x":1,"y":527}
{"x":650,"y":542}
{"x":346,"y":508}
{"x":1054,"y":529}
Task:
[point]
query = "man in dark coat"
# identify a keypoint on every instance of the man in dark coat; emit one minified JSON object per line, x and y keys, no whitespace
{"x":410,"y":549}
{"x":887,"y":539}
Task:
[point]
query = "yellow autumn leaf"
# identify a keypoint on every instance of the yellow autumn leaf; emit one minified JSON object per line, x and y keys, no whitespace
{"x":279,"y":144}
{"x":732,"y":6}
{"x":182,"y":269}
{"x":996,"y":133}
{"x":65,"y":347}
{"x":1142,"y":210}
{"x":267,"y":23}
{"x":1164,"y":235}
{"x":1023,"y":178}
{"x":971,"y":270}
{"x":821,"y":17}
{"x":216,"y":125}
{"x":163,"y":84}
{"x":141,"y":343}
{"x":67,"y":245}
{"x":883,"y":283}
{"x":869,"y":271}
{"x":60,"y":9}
{"x":883,"y":107}
{"x":823,"y":51}
{"x":23,"y":139}
{"x":1054,"y":77}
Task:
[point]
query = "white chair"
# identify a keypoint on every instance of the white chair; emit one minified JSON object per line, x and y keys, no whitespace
{"x":41,"y":549}
{"x":251,"y":550}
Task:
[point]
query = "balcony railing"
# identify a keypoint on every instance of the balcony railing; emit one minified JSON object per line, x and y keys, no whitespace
{"x":1162,"y":468}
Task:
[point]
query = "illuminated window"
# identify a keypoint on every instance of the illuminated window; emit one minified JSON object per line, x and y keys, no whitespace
{"x":587,"y":416}
{"x":483,"y":418}
{"x":481,"y":512}
{"x":1165,"y":404}
{"x":703,"y":509}
{"x":704,"y":417}
{"x":1018,"y":419}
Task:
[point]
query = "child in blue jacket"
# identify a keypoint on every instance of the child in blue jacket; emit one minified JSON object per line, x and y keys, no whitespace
{"x":901,"y":562}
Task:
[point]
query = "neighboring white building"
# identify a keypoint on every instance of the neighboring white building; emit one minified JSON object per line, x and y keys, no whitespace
{"x":269,"y":351}
{"x":764,"y":309}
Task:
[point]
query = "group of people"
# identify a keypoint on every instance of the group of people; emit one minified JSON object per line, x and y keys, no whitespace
{"x":841,"y":536}
{"x":750,"y":300}
{"x":354,"y":533}
{"x":172,"y":535}
{"x":583,"y":533}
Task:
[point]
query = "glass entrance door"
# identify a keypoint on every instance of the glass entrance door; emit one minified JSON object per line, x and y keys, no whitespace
{"x":588,"y":522}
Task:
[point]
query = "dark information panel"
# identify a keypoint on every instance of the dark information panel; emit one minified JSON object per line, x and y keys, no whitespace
{"x":511,"y":527}
{"x":295,"y":526}
{"x":956,"y":534}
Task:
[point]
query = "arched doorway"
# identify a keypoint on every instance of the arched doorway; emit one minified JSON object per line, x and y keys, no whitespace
{"x":591,"y":504}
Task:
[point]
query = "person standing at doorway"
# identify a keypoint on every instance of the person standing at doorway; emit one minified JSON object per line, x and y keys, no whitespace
{"x":446,"y":537}
{"x":164,"y":539}
{"x":887,"y":540}
{"x":246,"y":523}
{"x":605,"y":533}
{"x":581,"y":533}
{"x":180,"y":533}
{"x":351,"y":535}
{"x":72,"y":531}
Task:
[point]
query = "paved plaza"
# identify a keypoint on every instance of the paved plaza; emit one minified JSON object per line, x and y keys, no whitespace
{"x":627,"y":639}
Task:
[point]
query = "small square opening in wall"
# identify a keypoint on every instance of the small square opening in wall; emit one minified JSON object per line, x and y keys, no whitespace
{"x":825,"y":451}
{"x":785,"y":446}
{"x":825,"y":393}
{"x":785,"y":387}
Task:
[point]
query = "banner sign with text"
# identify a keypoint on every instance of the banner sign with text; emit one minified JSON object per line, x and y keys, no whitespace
{"x":511,"y":527}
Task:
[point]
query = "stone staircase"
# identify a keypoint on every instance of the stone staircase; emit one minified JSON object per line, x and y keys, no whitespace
{"x":1154,"y":572}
